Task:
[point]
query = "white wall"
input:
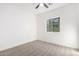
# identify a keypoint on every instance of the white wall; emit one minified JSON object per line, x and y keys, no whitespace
{"x":68,"y":27}
{"x":77,"y":5}
{"x":17,"y":25}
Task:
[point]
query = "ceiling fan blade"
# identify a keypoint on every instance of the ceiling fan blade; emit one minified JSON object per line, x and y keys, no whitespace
{"x":37,"y":6}
{"x":50,"y":3}
{"x":45,"y":5}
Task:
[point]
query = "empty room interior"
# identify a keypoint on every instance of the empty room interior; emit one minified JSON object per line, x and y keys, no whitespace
{"x":39,"y":29}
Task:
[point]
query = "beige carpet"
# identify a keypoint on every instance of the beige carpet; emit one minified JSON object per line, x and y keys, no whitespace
{"x":39,"y":48}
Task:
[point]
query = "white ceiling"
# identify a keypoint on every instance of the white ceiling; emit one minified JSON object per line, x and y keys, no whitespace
{"x":30,"y":7}
{"x":51,"y":7}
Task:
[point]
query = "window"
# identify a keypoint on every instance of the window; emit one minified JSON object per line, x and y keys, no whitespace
{"x":53,"y":25}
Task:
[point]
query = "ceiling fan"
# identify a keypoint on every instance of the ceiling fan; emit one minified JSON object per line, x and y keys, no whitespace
{"x":43,"y":4}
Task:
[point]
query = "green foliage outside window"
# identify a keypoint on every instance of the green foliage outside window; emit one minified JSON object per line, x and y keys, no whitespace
{"x":53,"y":25}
